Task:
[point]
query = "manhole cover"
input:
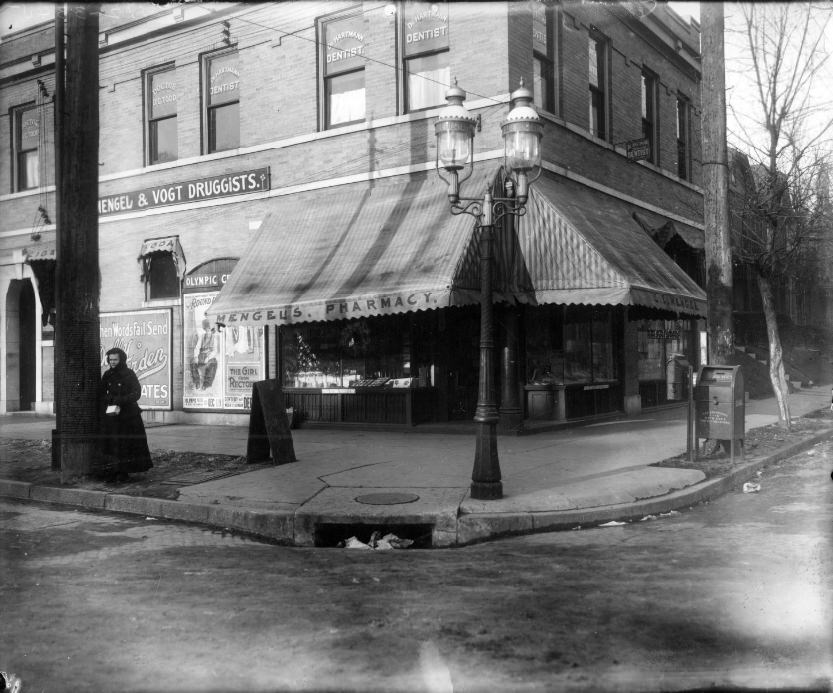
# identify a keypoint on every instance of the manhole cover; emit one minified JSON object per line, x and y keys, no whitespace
{"x":387,"y":498}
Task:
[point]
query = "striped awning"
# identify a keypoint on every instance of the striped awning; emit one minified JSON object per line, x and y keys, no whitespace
{"x":356,"y":250}
{"x":577,"y":245}
{"x":391,"y":246}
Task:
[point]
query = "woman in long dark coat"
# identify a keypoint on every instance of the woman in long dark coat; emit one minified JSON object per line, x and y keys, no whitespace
{"x":124,"y":445}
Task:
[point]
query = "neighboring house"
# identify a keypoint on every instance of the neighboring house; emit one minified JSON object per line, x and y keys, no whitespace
{"x":277,"y":158}
{"x":799,"y":285}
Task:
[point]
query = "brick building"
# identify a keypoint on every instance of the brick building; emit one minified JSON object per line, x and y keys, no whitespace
{"x":268,"y":208}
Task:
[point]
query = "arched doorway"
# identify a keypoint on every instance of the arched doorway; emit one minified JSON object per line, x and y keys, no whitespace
{"x":21,"y":346}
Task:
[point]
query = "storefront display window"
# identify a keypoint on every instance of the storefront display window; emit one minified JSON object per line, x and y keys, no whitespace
{"x":545,"y":346}
{"x":658,"y":341}
{"x":353,"y":353}
{"x":572,"y":347}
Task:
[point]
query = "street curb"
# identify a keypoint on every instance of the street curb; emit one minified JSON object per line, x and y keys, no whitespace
{"x":471,"y":528}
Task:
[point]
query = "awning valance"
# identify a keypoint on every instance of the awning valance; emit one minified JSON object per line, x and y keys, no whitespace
{"x":161,"y":246}
{"x":42,"y":260}
{"x":356,"y":250}
{"x":577,"y":245}
{"x":43,"y":252}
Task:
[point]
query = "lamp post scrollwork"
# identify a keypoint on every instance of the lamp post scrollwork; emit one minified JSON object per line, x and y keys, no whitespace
{"x":522,"y":133}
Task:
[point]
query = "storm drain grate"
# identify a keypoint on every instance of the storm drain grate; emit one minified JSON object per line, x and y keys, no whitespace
{"x":200,"y":475}
{"x":387,"y":498}
{"x":330,"y":534}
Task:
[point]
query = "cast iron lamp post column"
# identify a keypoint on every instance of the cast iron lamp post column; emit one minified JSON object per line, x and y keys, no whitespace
{"x":522,"y":133}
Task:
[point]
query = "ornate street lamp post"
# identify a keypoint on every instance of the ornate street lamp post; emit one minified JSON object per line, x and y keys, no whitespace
{"x":522,"y":133}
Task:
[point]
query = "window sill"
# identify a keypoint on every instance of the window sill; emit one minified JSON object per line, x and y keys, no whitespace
{"x":162,"y":302}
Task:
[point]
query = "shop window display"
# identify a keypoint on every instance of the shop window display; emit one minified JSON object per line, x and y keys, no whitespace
{"x":357,"y":353}
{"x":576,"y":347}
{"x":658,"y":341}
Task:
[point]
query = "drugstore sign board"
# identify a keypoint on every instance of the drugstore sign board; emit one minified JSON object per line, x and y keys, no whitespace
{"x":226,"y":185}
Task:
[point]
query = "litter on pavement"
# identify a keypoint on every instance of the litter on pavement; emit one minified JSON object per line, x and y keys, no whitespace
{"x":378,"y":543}
{"x":751,"y":487}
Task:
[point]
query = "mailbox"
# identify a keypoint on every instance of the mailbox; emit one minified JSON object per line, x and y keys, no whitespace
{"x":720,"y":404}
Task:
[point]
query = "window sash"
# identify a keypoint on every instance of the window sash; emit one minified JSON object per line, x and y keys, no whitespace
{"x":649,"y":100}
{"x":345,"y":98}
{"x":597,"y":78}
{"x":223,"y":80}
{"x":596,"y":54}
{"x":223,"y":127}
{"x":27,"y":148}
{"x":428,"y":80}
{"x":597,"y":113}
{"x":682,"y":138}
{"x":163,"y":144}
{"x":543,"y":92}
{"x":28,"y":169}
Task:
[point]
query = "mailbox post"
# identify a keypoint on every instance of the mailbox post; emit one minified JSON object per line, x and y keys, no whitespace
{"x":720,"y":405}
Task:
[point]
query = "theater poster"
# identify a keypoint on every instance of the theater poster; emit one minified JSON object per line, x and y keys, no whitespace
{"x":221,"y":366}
{"x":145,"y":336}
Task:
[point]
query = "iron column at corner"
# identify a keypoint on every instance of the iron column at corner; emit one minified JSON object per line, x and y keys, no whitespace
{"x":486,"y":481}
{"x":522,"y":132}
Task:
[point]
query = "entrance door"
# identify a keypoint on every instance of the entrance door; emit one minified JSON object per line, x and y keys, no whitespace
{"x":21,"y":346}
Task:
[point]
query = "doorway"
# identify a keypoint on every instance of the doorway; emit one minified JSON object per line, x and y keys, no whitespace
{"x":21,"y":346}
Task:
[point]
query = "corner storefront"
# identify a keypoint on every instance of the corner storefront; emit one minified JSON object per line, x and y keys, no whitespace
{"x":369,"y":291}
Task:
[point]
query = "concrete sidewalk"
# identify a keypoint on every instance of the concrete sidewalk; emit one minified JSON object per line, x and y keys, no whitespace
{"x":410,"y":479}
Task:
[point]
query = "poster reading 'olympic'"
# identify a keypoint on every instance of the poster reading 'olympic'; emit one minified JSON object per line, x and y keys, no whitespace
{"x":145,"y":336}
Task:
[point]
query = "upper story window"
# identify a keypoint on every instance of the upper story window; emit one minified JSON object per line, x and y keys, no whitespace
{"x":162,"y":279}
{"x":426,"y":57}
{"x":544,"y":85}
{"x":649,"y":113}
{"x":597,"y":53}
{"x":161,"y":260}
{"x":221,"y":76}
{"x":27,"y":137}
{"x":683,"y":137}
{"x":343,"y":42}
{"x":160,"y":115}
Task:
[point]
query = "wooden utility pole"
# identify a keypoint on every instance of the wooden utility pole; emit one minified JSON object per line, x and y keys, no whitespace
{"x":77,"y":276}
{"x":716,"y":184}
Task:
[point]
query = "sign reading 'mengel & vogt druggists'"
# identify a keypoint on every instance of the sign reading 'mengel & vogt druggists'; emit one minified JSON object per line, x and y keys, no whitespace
{"x":224,"y":185}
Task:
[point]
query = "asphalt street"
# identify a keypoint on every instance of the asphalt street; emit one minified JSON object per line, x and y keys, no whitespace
{"x":733,"y":593}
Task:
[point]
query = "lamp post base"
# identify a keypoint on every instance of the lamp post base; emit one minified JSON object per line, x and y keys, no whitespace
{"x":486,"y":490}
{"x":485,"y":479}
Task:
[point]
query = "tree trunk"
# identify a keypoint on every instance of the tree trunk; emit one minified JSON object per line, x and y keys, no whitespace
{"x":776,"y":361}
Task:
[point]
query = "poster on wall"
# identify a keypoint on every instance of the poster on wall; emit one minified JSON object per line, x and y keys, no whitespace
{"x":145,"y":336}
{"x":220,"y":367}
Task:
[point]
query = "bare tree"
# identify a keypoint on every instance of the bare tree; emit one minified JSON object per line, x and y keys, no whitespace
{"x":782,"y":126}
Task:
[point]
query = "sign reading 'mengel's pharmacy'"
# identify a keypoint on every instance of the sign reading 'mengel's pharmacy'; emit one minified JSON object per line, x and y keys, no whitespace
{"x":224,"y":185}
